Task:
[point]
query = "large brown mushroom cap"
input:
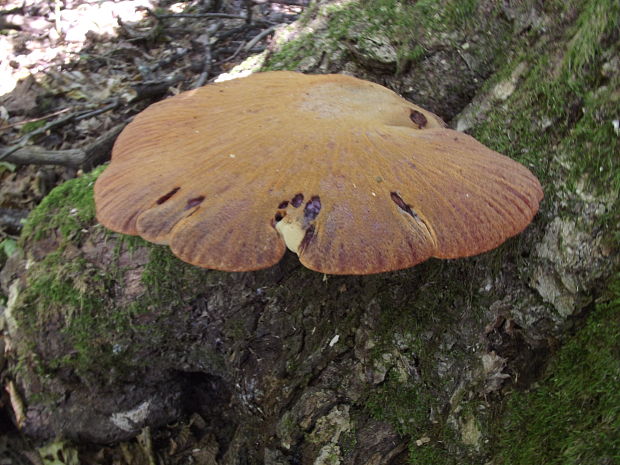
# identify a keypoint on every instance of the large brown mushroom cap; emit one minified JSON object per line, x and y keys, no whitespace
{"x":349,"y":175}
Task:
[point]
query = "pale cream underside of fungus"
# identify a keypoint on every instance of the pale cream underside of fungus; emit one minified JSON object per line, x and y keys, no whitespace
{"x":292,"y":232}
{"x":347,"y":174}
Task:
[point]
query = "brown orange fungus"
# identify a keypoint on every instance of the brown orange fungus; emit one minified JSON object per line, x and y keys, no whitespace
{"x":347,"y":174}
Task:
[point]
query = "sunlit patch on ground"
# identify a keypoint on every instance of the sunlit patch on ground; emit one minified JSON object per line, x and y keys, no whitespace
{"x":38,"y":34}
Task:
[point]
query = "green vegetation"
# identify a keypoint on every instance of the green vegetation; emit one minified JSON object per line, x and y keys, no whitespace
{"x":106,"y":315}
{"x":32,"y":126}
{"x":565,"y":106}
{"x":408,"y":407}
{"x":597,"y":23}
{"x":573,"y":416}
{"x":70,"y":294}
{"x":406,"y":25}
{"x":65,"y":288}
{"x":68,"y":209}
{"x":69,"y":290}
{"x":7,"y":247}
{"x":6,"y":166}
{"x":92,"y":304}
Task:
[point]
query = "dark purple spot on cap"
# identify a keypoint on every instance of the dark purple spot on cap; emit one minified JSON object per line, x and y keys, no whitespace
{"x":279,"y":216}
{"x":191,"y":203}
{"x":283,"y":205}
{"x":166,"y":197}
{"x":297,"y":200}
{"x":313,"y":207}
{"x":402,"y":205}
{"x":418,"y":118}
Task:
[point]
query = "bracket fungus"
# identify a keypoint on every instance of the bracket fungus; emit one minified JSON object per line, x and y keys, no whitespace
{"x":344,"y":172}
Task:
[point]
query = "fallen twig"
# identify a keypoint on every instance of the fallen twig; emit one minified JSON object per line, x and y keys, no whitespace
{"x":236,"y":30}
{"x":85,"y":157}
{"x":196,"y":15}
{"x":234,"y":55}
{"x":302,"y":3}
{"x":131,"y":33}
{"x":34,"y":120}
{"x":260,"y":36}
{"x":150,"y":89}
{"x":77,"y":116}
{"x":206,"y":69}
{"x":248,"y":6}
{"x":247,"y":19}
{"x":90,"y":114}
{"x":177,"y":55}
{"x":24,"y":140}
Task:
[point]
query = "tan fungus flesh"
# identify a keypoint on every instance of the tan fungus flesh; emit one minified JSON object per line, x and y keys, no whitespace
{"x":349,"y":175}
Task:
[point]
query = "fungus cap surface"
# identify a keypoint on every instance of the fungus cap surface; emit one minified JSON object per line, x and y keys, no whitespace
{"x":347,"y":174}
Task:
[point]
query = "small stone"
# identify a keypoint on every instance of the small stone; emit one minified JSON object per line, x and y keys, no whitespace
{"x":423,"y":440}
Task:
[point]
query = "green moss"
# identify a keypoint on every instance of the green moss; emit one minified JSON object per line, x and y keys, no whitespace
{"x":406,"y":25}
{"x":563,"y":110}
{"x":404,"y":405}
{"x":437,"y":285}
{"x":290,"y":54}
{"x":408,"y":406}
{"x":32,"y":126}
{"x":598,"y":20}
{"x":71,"y":298}
{"x":573,"y":416}
{"x":348,"y":442}
{"x":67,"y":210}
{"x":166,"y":277}
{"x":69,"y":295}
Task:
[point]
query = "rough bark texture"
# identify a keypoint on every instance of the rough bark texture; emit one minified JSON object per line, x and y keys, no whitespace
{"x":109,"y":334}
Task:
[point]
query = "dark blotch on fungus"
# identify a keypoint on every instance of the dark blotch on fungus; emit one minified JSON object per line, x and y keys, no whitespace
{"x":297,"y":200}
{"x":166,"y":197}
{"x":418,"y":118}
{"x":402,"y":205}
{"x":191,"y":203}
{"x":313,"y":207}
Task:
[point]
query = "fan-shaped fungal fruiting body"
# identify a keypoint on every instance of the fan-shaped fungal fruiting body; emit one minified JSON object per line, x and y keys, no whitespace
{"x":347,"y":174}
